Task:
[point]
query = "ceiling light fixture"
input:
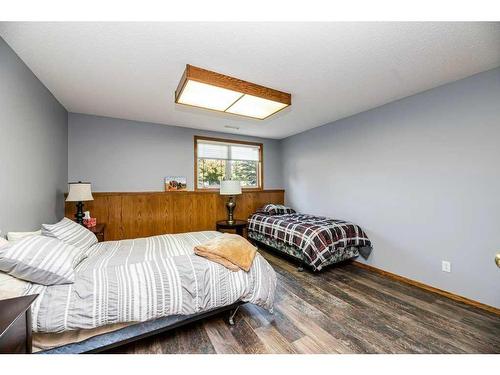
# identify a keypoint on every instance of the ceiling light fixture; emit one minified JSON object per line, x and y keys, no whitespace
{"x":206,"y":89}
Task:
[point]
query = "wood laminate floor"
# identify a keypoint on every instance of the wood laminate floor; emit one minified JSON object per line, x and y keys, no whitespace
{"x":344,"y":309}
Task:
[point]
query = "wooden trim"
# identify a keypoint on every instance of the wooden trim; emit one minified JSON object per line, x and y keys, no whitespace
{"x":224,"y":140}
{"x":204,"y":191}
{"x":195,"y":163}
{"x":428,"y":288}
{"x":181,"y":85}
{"x":220,"y":80}
{"x":261,"y":166}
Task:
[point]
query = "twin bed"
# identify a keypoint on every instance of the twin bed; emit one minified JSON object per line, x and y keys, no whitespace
{"x":315,"y":241}
{"x":126,"y":290}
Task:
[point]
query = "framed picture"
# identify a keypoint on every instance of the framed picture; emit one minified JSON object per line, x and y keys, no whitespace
{"x":175,"y":183}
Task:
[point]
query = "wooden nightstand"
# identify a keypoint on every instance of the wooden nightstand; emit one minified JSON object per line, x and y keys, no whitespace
{"x":99,"y":230}
{"x":15,"y":324}
{"x":239,"y":226}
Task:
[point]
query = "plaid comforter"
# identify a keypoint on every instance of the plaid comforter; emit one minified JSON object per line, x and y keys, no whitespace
{"x":317,"y":237}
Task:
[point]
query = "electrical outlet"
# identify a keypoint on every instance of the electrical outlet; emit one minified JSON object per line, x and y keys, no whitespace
{"x":445,"y":266}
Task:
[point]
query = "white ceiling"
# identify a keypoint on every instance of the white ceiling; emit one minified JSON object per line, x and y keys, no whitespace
{"x":332,"y":70}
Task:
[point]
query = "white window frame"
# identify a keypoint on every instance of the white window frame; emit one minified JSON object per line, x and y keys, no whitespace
{"x":260,"y":171}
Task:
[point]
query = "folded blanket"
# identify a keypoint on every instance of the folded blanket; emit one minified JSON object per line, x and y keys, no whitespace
{"x":230,"y":250}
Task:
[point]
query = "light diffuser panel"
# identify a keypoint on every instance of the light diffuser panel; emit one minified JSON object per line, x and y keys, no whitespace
{"x":207,"y":96}
{"x":253,"y":106}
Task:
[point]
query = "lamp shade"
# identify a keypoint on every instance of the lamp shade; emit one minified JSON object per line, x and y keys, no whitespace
{"x":230,"y":187}
{"x":79,"y":192}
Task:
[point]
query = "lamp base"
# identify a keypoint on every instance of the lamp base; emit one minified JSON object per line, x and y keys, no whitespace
{"x":79,"y":213}
{"x":230,"y":204}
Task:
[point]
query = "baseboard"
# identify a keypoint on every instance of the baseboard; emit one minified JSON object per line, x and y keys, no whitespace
{"x":429,"y":288}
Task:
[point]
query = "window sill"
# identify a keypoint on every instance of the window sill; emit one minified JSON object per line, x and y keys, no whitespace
{"x":217,"y":189}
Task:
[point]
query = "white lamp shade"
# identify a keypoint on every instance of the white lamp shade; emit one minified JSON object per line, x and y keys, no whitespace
{"x":230,"y":187}
{"x":79,"y":192}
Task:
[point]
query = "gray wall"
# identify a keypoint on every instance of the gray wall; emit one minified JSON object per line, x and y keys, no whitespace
{"x":421,"y":176}
{"x":33,"y":148}
{"x":123,"y":155}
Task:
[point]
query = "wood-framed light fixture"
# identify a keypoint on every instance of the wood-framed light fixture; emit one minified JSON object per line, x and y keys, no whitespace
{"x":206,"y":89}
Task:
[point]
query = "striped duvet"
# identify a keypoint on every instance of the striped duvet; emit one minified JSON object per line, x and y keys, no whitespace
{"x":147,"y":278}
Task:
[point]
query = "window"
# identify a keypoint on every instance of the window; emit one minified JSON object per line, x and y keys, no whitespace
{"x":221,"y":159}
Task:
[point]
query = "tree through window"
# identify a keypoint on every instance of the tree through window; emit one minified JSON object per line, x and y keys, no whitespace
{"x":219,"y":159}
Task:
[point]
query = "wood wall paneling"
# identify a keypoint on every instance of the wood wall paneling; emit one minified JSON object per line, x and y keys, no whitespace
{"x":143,"y":214}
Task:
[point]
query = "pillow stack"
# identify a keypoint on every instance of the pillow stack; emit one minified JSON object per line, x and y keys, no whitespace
{"x":3,"y":242}
{"x":71,"y":233}
{"x":16,"y":236}
{"x":41,"y":260}
{"x":50,"y":258}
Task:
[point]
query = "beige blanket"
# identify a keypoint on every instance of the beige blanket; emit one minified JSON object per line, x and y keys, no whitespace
{"x":231,"y":250}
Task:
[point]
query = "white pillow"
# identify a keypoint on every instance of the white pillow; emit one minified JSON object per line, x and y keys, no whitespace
{"x":41,"y":260}
{"x":16,"y":236}
{"x":71,"y":233}
{"x":11,"y":287}
{"x":3,"y":241}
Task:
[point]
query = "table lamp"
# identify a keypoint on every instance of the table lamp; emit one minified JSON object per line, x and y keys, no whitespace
{"x":230,"y":188}
{"x":79,"y":192}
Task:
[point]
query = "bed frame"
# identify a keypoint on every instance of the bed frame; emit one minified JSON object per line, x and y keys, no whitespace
{"x":135,"y":332}
{"x":301,"y":263}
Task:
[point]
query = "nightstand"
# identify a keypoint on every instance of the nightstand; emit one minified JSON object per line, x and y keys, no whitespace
{"x":15,"y":325}
{"x":239,"y":226}
{"x":98,"y":230}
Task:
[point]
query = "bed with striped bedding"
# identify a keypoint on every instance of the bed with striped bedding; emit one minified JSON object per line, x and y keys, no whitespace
{"x":143,"y":279}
